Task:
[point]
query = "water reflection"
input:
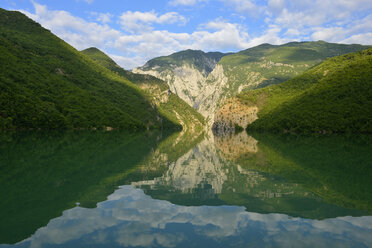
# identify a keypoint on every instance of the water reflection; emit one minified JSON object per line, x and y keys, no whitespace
{"x":183,"y":190}
{"x":44,"y":173}
{"x":130,"y":218}
{"x":232,"y":170}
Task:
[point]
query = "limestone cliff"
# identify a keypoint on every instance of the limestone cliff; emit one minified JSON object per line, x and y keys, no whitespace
{"x":207,"y":80}
{"x":185,"y":81}
{"x":234,"y":113}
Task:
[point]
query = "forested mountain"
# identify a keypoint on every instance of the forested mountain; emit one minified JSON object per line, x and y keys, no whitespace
{"x":223,"y":76}
{"x":168,"y":104}
{"x":45,"y":83}
{"x":334,"y":96}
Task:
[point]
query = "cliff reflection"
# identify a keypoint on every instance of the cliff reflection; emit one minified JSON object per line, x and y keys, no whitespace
{"x":235,"y":170}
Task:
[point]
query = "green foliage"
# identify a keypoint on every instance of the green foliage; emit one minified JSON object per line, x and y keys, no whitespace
{"x":174,"y":108}
{"x":335,"y":96}
{"x":238,"y":128}
{"x":47,"y":84}
{"x":335,"y":167}
{"x":267,"y":64}
{"x":138,"y":79}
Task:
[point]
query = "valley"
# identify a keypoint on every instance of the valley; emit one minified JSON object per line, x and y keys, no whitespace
{"x":132,"y":124}
{"x":190,"y":90}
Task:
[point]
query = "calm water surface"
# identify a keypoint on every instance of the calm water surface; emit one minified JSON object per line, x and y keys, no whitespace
{"x":119,"y":189}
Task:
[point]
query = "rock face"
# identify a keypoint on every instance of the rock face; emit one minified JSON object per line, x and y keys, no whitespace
{"x":192,"y":75}
{"x":207,"y":80}
{"x":184,"y":81}
{"x":213,"y":93}
{"x":234,"y":113}
{"x":200,"y":89}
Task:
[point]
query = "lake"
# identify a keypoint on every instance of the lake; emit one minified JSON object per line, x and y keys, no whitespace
{"x":153,"y":189}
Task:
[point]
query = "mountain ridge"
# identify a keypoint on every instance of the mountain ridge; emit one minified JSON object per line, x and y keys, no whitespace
{"x":47,"y":84}
{"x":168,"y":104}
{"x":184,"y":71}
{"x":252,"y":68}
{"x":333,"y":96}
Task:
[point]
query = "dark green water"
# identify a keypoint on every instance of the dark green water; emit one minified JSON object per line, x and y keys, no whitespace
{"x":119,"y":189}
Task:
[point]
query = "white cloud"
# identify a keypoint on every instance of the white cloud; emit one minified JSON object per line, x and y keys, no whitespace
{"x":74,"y":30}
{"x":315,"y":13}
{"x":271,"y":36}
{"x":276,"y":5}
{"x":214,"y":36}
{"x":141,"y":38}
{"x":102,"y":17}
{"x":364,"y":39}
{"x":244,"y":6}
{"x":128,"y":62}
{"x":87,"y":1}
{"x":209,"y":37}
{"x":332,"y":21}
{"x":186,"y":2}
{"x":142,"y":21}
{"x":329,"y":34}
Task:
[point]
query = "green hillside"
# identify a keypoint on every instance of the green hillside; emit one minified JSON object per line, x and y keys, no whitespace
{"x":168,"y":104}
{"x":335,"y":96}
{"x":267,"y":64}
{"x":105,"y":61}
{"x":207,"y":80}
{"x":47,"y":84}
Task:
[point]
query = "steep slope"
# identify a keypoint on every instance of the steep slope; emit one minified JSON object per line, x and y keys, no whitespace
{"x":335,"y":96}
{"x":45,"y":83}
{"x":253,"y":68}
{"x":264,"y":65}
{"x":169,"y":104}
{"x":185,"y":72}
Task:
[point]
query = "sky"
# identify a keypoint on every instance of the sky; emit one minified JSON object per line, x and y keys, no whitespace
{"x":134,"y":31}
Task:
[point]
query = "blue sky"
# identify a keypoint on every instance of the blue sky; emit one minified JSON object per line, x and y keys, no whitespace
{"x":134,"y":31}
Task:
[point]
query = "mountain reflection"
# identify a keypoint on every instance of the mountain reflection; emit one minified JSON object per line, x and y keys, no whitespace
{"x":183,"y":190}
{"x":233,"y":170}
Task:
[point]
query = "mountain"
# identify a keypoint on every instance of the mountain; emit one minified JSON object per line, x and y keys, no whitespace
{"x":253,"y":68}
{"x":185,"y":72}
{"x":47,"y":84}
{"x":168,"y":104}
{"x":335,"y":96}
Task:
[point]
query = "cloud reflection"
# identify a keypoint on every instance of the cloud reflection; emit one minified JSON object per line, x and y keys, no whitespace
{"x":131,"y":218}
